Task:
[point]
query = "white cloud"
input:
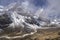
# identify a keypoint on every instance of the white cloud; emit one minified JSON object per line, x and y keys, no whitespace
{"x":1,"y":8}
{"x":52,"y":9}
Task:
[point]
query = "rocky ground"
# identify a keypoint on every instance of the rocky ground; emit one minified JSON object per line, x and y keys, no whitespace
{"x":47,"y":34}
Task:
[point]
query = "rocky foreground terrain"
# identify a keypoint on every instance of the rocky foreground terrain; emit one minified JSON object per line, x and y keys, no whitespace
{"x":47,"y":34}
{"x":41,"y":34}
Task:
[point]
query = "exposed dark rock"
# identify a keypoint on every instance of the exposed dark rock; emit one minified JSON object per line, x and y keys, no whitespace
{"x":32,"y":21}
{"x":5,"y":21}
{"x":27,"y":29}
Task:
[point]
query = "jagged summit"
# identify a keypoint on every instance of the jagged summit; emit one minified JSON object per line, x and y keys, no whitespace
{"x":17,"y":17}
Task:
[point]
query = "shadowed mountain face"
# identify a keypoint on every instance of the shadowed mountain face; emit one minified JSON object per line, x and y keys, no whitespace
{"x":5,"y":21}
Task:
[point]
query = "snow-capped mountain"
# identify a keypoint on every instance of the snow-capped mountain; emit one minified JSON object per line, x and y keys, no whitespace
{"x":20,"y":15}
{"x":17,"y":17}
